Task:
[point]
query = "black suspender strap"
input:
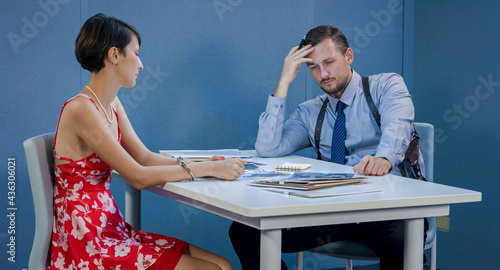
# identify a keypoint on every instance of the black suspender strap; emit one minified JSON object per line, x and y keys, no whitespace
{"x":409,"y":167}
{"x":319,"y":126}
{"x":321,"y":116}
{"x":369,"y":100}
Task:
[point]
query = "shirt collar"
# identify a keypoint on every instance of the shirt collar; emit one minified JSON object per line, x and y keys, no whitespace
{"x":349,"y":93}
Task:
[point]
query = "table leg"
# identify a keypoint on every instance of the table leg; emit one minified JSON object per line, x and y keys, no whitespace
{"x":133,"y":206}
{"x":414,"y":244}
{"x":270,"y":249}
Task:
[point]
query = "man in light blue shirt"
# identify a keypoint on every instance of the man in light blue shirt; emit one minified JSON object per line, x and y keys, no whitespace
{"x":364,"y":138}
{"x":370,"y":149}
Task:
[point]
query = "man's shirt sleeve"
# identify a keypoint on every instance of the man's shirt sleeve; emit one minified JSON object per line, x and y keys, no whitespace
{"x":277,"y":137}
{"x":397,"y":114}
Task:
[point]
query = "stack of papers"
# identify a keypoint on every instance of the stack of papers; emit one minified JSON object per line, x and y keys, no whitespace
{"x":313,"y":184}
{"x":363,"y":187}
{"x":306,"y":184}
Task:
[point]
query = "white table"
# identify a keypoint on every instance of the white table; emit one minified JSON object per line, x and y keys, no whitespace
{"x":402,"y":198}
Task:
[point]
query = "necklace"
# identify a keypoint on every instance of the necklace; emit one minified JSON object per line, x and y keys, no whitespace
{"x":100,"y":104}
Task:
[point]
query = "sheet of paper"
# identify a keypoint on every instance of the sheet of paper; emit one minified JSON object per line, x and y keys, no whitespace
{"x":265,"y":175}
{"x":200,"y":154}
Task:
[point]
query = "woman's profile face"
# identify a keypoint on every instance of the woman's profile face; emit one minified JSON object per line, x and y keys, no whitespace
{"x":129,"y":63}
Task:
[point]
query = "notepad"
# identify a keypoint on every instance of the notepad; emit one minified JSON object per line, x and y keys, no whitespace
{"x":287,"y":166}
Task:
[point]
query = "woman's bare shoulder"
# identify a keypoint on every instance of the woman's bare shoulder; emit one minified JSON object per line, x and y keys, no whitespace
{"x":80,"y":104}
{"x":117,"y":104}
{"x":79,"y":107}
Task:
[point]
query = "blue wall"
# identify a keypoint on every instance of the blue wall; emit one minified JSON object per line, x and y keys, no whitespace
{"x":457,"y":75}
{"x":214,"y":63}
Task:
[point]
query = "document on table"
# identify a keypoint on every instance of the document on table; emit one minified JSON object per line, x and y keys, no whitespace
{"x":204,"y":154}
{"x":312,"y":184}
{"x":365,"y":186}
{"x":305,"y":184}
{"x":265,"y":175}
{"x":308,"y":180}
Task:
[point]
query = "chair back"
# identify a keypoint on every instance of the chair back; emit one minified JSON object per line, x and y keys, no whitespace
{"x":40,"y":160}
{"x":426,"y":133}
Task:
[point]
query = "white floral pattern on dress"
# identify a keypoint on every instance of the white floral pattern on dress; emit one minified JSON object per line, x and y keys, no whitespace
{"x":89,"y":232}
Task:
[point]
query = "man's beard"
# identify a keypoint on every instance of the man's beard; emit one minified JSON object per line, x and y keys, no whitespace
{"x":334,"y":90}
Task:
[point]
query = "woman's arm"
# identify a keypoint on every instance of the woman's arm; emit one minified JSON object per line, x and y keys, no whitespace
{"x":133,"y":144}
{"x":149,"y":169}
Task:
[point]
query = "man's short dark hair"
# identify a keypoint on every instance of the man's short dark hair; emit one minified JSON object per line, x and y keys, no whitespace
{"x":320,"y":33}
{"x":98,"y":34}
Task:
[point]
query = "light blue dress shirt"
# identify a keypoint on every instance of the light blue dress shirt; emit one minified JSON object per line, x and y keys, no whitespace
{"x":390,"y":94}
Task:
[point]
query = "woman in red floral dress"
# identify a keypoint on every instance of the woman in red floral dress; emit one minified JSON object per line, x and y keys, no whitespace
{"x":93,"y":136}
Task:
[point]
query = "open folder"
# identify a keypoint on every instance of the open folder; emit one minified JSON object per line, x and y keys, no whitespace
{"x":316,"y":184}
{"x":307,"y":184}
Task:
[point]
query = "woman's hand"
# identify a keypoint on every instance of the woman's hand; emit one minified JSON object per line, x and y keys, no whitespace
{"x":215,"y":158}
{"x":227,"y":168}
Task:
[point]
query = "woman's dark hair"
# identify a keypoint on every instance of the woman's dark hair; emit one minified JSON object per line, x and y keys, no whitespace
{"x":318,"y":34}
{"x":98,"y":34}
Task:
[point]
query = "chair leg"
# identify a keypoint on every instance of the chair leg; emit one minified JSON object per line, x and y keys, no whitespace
{"x":300,"y":260}
{"x":433,"y":254}
{"x":348,"y":264}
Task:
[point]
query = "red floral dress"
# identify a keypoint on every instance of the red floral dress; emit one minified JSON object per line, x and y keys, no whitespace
{"x":89,"y":231}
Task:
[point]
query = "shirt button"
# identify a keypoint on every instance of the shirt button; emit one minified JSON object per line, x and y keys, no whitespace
{"x":276,"y":106}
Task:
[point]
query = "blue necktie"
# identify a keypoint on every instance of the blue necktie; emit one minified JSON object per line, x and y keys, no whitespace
{"x":339,"y":135}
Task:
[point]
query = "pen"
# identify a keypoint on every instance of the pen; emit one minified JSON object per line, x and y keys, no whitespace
{"x":302,"y":43}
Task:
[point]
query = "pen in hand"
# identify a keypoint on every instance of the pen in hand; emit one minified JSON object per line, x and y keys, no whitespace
{"x":302,"y":43}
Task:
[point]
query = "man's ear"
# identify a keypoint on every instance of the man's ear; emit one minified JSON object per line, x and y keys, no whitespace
{"x":349,"y":54}
{"x":113,"y":55}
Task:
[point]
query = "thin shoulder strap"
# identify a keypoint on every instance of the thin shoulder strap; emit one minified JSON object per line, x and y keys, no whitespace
{"x":369,"y":100}
{"x":57,"y":127}
{"x":319,"y":126}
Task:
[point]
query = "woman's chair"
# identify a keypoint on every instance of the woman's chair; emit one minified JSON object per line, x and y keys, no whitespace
{"x":40,"y":160}
{"x":351,"y":250}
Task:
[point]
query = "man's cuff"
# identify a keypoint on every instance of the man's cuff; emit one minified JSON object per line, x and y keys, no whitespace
{"x":274,"y":105}
{"x":391,"y":156}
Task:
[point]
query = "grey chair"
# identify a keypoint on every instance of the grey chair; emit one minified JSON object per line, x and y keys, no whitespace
{"x":351,"y":250}
{"x":39,"y":157}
